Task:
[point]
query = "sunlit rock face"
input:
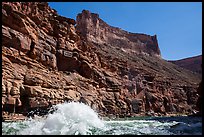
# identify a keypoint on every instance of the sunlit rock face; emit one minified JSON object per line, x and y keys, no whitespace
{"x":96,"y":30}
{"x":49,"y":59}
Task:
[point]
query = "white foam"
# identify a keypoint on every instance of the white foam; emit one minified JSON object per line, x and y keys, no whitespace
{"x":76,"y":118}
{"x":139,"y":127}
{"x":68,"y":119}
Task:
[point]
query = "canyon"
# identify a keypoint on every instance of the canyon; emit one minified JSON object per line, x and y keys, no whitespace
{"x":49,"y":59}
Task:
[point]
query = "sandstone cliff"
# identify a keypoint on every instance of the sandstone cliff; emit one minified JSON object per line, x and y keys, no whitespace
{"x":95,"y":29}
{"x":46,"y":60}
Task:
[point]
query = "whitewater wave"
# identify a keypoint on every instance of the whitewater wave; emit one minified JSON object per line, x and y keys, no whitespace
{"x":72,"y":118}
{"x":76,"y":118}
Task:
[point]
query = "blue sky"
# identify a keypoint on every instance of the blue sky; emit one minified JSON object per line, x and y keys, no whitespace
{"x":178,"y":25}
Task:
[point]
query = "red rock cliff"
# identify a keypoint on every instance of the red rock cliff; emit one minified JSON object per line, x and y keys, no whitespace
{"x":45,"y":61}
{"x":96,"y":30}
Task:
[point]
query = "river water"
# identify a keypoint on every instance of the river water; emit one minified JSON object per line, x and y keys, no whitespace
{"x":79,"y":119}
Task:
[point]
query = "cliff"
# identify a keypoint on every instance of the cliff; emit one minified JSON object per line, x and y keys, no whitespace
{"x":96,"y":30}
{"x":49,"y":59}
{"x":192,"y":63}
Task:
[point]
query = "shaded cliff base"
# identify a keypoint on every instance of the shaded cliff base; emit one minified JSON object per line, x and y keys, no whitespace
{"x":42,"y":113}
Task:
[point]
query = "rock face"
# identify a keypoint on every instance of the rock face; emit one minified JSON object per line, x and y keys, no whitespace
{"x":193,"y":63}
{"x":200,"y":98}
{"x":93,"y":28}
{"x":46,"y":61}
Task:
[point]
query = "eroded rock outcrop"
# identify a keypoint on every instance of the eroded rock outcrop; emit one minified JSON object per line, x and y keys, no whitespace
{"x":96,"y":30}
{"x":144,"y":82}
{"x":45,"y":61}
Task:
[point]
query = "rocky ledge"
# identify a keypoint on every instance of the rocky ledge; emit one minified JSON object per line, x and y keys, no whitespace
{"x":49,"y":59}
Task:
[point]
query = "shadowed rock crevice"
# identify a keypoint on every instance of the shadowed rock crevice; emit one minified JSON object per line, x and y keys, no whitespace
{"x":31,"y":53}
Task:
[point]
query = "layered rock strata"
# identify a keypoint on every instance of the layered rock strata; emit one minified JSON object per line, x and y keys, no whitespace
{"x":94,"y":29}
{"x":47,"y":59}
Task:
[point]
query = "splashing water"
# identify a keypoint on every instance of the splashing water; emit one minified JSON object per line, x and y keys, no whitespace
{"x":69,"y":119}
{"x":76,"y":118}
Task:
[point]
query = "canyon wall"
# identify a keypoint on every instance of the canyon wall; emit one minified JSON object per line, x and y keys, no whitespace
{"x":96,"y":30}
{"x":49,"y":59}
